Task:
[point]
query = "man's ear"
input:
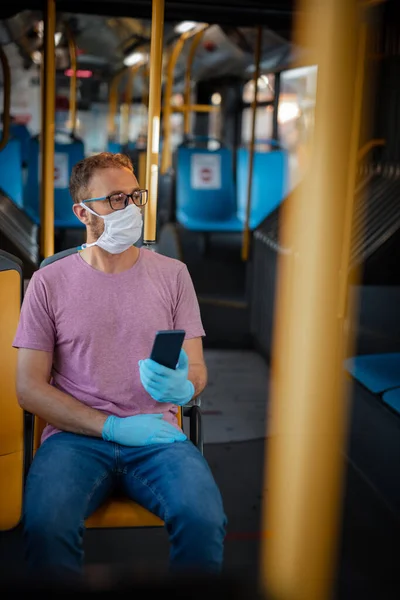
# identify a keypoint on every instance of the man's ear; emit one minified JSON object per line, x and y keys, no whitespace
{"x":81,"y":213}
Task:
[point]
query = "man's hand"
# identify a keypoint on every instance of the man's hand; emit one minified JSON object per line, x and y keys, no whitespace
{"x":167,"y":385}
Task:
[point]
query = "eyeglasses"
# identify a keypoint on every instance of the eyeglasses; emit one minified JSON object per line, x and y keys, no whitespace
{"x":120,"y":201}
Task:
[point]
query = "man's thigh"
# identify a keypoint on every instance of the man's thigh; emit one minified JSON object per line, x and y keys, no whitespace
{"x":71,"y":475}
{"x":171,"y":480}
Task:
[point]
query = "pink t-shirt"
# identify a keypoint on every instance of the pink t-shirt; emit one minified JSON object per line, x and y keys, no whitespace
{"x":99,"y":325}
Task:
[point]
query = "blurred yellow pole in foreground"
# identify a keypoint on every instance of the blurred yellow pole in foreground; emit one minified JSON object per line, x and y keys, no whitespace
{"x":304,"y":464}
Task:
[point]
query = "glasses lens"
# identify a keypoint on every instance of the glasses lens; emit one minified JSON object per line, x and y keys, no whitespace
{"x":140,"y":197}
{"x":118,"y":201}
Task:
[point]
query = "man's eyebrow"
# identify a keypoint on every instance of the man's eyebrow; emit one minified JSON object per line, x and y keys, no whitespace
{"x":135,"y":189}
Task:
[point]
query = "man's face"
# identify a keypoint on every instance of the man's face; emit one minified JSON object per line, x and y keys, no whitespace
{"x":105,"y":183}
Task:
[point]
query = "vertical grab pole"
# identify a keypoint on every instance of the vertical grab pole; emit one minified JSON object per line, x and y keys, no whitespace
{"x":196,"y":41}
{"x":47,"y":137}
{"x":246,"y":232}
{"x":153,"y":130}
{"x":166,"y":157}
{"x":72,"y":85}
{"x":113,"y":103}
{"x":304,"y":460}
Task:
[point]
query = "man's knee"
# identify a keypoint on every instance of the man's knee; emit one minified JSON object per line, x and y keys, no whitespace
{"x":205,"y":518}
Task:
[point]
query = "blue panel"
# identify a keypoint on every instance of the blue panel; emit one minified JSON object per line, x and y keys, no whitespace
{"x":21,"y":132}
{"x":66,"y":156}
{"x":114,"y":147}
{"x":205,"y":204}
{"x":392,"y":398}
{"x":377,"y":372}
{"x":269,"y":186}
{"x":11,"y":171}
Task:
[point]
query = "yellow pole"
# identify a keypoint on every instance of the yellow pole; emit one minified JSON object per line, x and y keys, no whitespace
{"x":72,"y":85}
{"x":153,"y":130}
{"x":196,"y":41}
{"x":166,"y":157}
{"x":6,"y":98}
{"x":126,"y":107}
{"x":246,"y":232}
{"x":304,"y":462}
{"x":47,"y":137}
{"x":113,"y":103}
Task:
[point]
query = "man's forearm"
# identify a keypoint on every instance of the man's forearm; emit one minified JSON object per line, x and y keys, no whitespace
{"x":60,"y":410}
{"x":198,"y":376}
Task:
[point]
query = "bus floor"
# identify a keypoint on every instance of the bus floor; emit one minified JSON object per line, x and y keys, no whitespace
{"x":234,"y":423}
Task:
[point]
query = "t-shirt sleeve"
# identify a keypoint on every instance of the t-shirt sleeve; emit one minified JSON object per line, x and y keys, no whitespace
{"x":187,"y":311}
{"x":36,"y":328}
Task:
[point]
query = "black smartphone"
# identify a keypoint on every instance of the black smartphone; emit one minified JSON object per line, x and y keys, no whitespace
{"x":167,"y":346}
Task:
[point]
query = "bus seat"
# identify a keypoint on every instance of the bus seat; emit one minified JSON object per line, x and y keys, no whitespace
{"x":11,"y":415}
{"x":11,"y":171}
{"x":392,"y":399}
{"x":205,"y":191}
{"x":269,"y":185}
{"x":377,"y":372}
{"x":114,"y":147}
{"x":117,"y":511}
{"x":66,"y":156}
{"x":20,"y":132}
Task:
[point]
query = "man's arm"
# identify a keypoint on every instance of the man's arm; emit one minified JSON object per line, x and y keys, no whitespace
{"x":36,"y":395}
{"x":197,"y":367}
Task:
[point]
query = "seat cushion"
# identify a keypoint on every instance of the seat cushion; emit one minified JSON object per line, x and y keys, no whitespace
{"x":377,"y":372}
{"x":122,"y":512}
{"x":392,"y":399}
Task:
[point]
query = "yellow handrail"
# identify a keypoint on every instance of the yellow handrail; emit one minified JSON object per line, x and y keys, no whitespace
{"x":363,"y":151}
{"x":47,"y":137}
{"x":6,"y":98}
{"x":200,"y":108}
{"x":72,"y":84}
{"x":153,"y":130}
{"x":126,"y":107}
{"x":308,"y":420}
{"x":246,"y":231}
{"x":195,"y":43}
{"x":113,"y":103}
{"x":166,"y":157}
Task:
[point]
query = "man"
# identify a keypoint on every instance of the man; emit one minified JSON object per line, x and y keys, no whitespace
{"x":86,"y":331}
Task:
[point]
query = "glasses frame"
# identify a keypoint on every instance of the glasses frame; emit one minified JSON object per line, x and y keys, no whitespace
{"x":143,"y":192}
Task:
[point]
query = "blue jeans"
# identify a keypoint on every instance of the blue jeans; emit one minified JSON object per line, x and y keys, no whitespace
{"x":72,"y":475}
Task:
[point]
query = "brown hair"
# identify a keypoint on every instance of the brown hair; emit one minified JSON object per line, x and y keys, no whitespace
{"x":84,"y":170}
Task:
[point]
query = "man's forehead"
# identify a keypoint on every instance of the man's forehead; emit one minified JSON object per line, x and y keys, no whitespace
{"x":113,"y":179}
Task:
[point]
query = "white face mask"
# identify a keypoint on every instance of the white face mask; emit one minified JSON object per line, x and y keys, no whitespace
{"x":122,"y":228}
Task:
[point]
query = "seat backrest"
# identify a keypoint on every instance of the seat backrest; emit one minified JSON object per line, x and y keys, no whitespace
{"x":11,"y":171}
{"x":65,"y":157}
{"x":21,"y":132}
{"x":50,"y":259}
{"x":269,"y":185}
{"x":204,"y":185}
{"x":11,"y":415}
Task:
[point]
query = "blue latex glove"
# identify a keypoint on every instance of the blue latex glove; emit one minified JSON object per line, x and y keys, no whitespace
{"x":167,"y":385}
{"x":141,"y":430}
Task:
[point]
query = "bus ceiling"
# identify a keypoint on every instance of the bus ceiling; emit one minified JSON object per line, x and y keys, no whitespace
{"x":274,"y":14}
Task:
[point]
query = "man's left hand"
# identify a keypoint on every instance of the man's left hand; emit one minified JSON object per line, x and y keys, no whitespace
{"x":167,"y":385}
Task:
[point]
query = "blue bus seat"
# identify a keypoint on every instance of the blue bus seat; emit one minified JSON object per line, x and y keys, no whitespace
{"x":205,"y":191}
{"x":392,"y":399}
{"x":11,"y":172}
{"x":377,"y":372}
{"x":269,"y":185}
{"x":21,"y":133}
{"x":114,"y":147}
{"x":66,"y":156}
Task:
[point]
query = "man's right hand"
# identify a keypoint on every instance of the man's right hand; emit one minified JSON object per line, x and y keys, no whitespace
{"x":141,"y":430}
